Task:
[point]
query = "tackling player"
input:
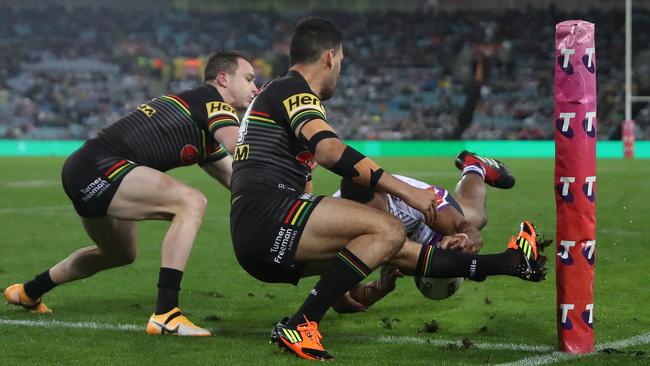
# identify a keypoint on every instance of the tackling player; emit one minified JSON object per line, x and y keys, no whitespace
{"x":281,"y":233}
{"x":117,"y":179}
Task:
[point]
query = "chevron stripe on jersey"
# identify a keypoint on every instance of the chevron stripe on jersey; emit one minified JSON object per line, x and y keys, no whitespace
{"x":163,"y":134}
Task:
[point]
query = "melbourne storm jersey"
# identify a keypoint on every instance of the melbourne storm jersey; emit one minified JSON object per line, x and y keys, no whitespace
{"x":413,"y":220}
{"x":172,"y":130}
{"x":268,"y":153}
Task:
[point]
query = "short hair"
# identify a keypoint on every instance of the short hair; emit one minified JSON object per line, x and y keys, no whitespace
{"x":312,"y":36}
{"x":356,"y":192}
{"x":221,"y":61}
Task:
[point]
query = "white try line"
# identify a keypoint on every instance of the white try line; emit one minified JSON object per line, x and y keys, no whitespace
{"x":459,"y":344}
{"x":562,"y":356}
{"x":380,"y":339}
{"x":72,"y":325}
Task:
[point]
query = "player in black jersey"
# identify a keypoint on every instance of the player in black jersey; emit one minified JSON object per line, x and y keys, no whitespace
{"x":281,"y":233}
{"x":117,"y":179}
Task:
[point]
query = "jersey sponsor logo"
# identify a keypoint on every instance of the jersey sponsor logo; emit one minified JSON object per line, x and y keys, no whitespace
{"x":302,"y":101}
{"x":189,"y":155}
{"x":284,"y":242}
{"x":216,"y":108}
{"x":307,"y":158}
{"x":241,"y":152}
{"x":146,"y":109}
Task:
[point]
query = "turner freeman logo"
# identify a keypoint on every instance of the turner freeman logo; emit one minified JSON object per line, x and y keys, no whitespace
{"x":94,"y":189}
{"x":189,"y":154}
{"x":283,"y":243}
{"x":300,"y":102}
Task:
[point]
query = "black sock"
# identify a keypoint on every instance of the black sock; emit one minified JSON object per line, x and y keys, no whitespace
{"x":443,"y":263}
{"x":169,"y":284}
{"x":41,"y":284}
{"x":346,"y":271}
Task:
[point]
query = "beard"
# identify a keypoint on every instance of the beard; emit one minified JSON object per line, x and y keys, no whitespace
{"x":328,"y":89}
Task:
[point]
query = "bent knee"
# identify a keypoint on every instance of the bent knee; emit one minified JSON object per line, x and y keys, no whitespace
{"x":394,"y":235}
{"x":193,"y":202}
{"x":122,"y":259}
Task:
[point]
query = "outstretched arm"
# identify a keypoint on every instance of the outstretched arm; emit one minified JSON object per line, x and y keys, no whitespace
{"x":330,"y":152}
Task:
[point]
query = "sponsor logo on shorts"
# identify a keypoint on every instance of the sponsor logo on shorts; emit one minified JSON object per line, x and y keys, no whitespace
{"x":283,"y":243}
{"x":95,"y":189}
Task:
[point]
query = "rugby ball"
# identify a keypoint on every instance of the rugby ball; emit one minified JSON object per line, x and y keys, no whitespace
{"x":438,"y":288}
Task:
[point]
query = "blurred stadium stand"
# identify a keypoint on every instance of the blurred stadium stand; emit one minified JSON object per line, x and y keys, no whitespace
{"x":425,"y":70}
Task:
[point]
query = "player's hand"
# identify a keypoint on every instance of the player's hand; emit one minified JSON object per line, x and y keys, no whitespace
{"x":462,"y":242}
{"x":425,"y":201}
{"x":454,"y":241}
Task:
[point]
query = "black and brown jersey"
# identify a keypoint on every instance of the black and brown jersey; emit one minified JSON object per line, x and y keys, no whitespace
{"x":172,"y":130}
{"x":268,"y":153}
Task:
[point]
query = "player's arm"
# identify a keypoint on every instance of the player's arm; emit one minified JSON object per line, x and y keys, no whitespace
{"x":459,"y":233}
{"x":220,"y":170}
{"x":330,"y":152}
{"x":227,"y":137}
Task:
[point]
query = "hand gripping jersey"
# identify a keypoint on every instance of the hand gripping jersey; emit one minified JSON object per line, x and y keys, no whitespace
{"x":413,"y":220}
{"x":171,"y":130}
{"x":268,"y":153}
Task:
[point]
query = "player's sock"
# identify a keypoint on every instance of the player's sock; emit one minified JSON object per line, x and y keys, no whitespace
{"x":346,"y":271}
{"x":41,"y":284}
{"x":169,"y":284}
{"x":475,"y":169}
{"x":444,"y":263}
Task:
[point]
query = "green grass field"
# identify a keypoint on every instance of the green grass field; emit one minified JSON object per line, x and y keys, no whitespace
{"x":39,"y":227}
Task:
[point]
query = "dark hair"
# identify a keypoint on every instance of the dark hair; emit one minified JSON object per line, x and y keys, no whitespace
{"x":312,"y":36}
{"x":356,"y":192}
{"x":221,"y":61}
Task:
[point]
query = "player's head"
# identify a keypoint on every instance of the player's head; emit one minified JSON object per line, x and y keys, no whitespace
{"x":362,"y":194}
{"x":316,"y":41}
{"x":234,"y":77}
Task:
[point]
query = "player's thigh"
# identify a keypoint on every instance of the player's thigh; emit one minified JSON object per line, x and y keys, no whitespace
{"x":115,"y":238}
{"x":146,"y":193}
{"x":335,"y":222}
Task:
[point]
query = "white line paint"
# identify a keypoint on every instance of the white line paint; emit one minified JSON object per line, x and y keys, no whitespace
{"x":561,"y":356}
{"x":33,"y":183}
{"x":442,"y":342}
{"x":72,"y":325}
{"x":528,"y":361}
{"x":380,"y":339}
{"x":38,"y":209}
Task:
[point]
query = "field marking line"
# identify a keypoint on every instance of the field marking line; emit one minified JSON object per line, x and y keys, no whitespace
{"x":562,"y":356}
{"x":35,"y":209}
{"x":379,"y":339}
{"x":459,"y":344}
{"x":72,"y":325}
{"x":528,"y":361}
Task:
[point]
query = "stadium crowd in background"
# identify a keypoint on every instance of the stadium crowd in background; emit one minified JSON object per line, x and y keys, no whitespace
{"x":407,"y":79}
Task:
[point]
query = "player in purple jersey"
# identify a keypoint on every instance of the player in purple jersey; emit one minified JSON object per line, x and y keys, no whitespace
{"x":118,"y":179}
{"x":461,"y":217}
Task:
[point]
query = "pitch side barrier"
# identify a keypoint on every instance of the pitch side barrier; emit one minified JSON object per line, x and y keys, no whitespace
{"x":498,"y":148}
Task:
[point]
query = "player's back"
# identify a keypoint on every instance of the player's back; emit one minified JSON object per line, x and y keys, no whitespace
{"x":168,"y":131}
{"x":268,"y":154}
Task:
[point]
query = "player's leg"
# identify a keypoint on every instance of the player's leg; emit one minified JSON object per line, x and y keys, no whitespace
{"x":355,"y":239}
{"x":115,"y":246}
{"x":471,"y":195}
{"x":147,"y":194}
{"x":522,"y":258}
{"x":470,"y":190}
